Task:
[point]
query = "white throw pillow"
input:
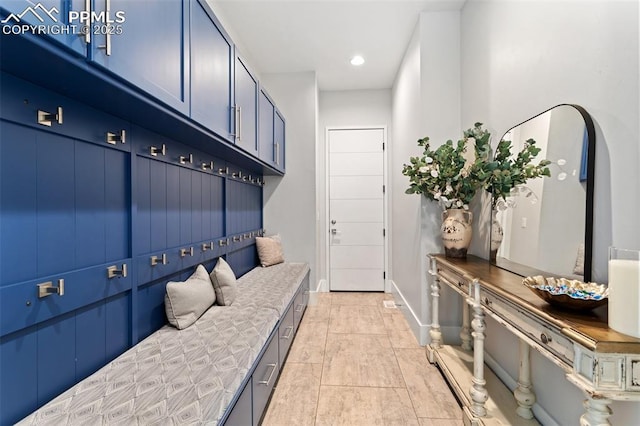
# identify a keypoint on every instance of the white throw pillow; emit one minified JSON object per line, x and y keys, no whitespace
{"x":270,"y":250}
{"x":185,"y":302}
{"x":224,"y":283}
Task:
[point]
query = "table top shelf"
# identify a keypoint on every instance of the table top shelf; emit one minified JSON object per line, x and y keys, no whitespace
{"x":589,"y":328}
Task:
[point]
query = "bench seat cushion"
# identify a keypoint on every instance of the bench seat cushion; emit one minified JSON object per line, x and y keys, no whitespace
{"x":271,"y":287}
{"x":171,"y":377}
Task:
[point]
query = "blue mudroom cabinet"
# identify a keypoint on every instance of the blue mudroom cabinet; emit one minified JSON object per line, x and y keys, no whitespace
{"x":151,"y":50}
{"x":119,"y":173}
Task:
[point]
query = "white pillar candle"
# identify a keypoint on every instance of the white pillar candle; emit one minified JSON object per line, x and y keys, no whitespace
{"x":624,"y":296}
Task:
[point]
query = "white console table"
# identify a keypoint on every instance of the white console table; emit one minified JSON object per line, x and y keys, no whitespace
{"x":604,"y":364}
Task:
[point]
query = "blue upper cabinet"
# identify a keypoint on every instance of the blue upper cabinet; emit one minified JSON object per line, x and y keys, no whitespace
{"x":147,"y":44}
{"x":62,"y":15}
{"x":265,"y":137}
{"x":212,"y":59}
{"x":246,"y":108}
{"x":279,"y":141}
{"x":271,"y":133}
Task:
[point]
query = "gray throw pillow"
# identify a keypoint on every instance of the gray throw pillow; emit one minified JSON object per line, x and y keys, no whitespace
{"x":224,"y":283}
{"x":270,"y":250}
{"x":185,"y":302}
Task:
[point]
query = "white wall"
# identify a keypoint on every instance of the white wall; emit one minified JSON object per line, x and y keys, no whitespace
{"x":426,"y":102}
{"x":367,"y":108}
{"x":290,"y":201}
{"x":520,"y":58}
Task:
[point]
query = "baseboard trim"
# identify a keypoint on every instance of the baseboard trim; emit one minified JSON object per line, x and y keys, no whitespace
{"x":540,"y":413}
{"x":320,"y":288}
{"x":421,"y":331}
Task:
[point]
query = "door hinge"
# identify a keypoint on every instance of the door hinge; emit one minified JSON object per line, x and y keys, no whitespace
{"x":384,"y":232}
{"x":383,"y":146}
{"x":384,"y":275}
{"x":384,"y":188}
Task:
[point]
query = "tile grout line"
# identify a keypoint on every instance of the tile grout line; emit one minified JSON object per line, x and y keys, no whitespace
{"x":324,"y":355}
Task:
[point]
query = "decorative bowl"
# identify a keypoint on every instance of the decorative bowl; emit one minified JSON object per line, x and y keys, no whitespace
{"x":568,"y":294}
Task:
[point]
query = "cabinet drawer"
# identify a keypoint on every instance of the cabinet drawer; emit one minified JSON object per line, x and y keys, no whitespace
{"x":454,"y":280}
{"x":298,"y":308}
{"x":241,"y":414}
{"x":543,"y":334}
{"x":286,"y":332}
{"x":264,"y":377}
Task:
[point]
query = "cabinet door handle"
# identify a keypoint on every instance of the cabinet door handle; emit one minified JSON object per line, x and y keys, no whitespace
{"x":239,"y":124}
{"x":235,"y":123}
{"x":186,"y":252}
{"x":266,"y":382}
{"x":289,"y":332}
{"x":277,"y":153}
{"x":544,"y":338}
{"x":107,"y":42}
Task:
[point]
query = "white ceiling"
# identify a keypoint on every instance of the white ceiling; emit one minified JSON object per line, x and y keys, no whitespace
{"x":323,"y":35}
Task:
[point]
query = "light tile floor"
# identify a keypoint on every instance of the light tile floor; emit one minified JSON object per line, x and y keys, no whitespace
{"x":355,"y":362}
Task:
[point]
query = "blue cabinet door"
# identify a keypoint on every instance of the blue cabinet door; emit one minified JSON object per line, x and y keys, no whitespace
{"x":279,"y":141}
{"x":63,"y":27}
{"x":246,"y":91}
{"x":265,"y":134}
{"x":149,"y":49}
{"x":212,"y":60}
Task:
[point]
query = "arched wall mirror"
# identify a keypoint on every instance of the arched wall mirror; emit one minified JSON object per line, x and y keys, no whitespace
{"x":547,"y":225}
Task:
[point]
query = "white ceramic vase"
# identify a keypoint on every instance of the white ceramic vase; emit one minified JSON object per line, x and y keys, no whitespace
{"x":456,"y":232}
{"x":497,"y":234}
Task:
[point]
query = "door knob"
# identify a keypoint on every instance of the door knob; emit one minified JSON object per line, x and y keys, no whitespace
{"x":333,"y":222}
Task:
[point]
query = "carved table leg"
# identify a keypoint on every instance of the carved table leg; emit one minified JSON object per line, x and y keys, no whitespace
{"x":523,"y":393}
{"x":478,"y":392}
{"x":434,"y":332}
{"x":598,"y":412}
{"x":465,"y":332}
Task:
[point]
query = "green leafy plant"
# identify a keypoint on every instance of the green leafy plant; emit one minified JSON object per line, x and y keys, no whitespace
{"x":504,"y":173}
{"x":445,"y":175}
{"x":452,"y":179}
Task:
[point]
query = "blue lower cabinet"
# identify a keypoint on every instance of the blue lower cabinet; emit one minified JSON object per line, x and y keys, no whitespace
{"x":242,"y":413}
{"x":18,"y":375}
{"x":151,"y":314}
{"x":286,"y":331}
{"x":118,"y":325}
{"x":73,"y":198}
{"x":299,"y":306}
{"x":40,"y":362}
{"x":90,"y":339}
{"x":264,"y":377}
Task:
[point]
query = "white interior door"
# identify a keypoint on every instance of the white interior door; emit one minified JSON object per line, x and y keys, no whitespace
{"x":356,"y":210}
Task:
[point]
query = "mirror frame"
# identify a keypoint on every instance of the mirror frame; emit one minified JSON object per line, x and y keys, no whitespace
{"x":528,"y":270}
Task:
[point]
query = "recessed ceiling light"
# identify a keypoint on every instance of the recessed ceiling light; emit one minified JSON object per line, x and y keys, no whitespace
{"x":357,"y":60}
